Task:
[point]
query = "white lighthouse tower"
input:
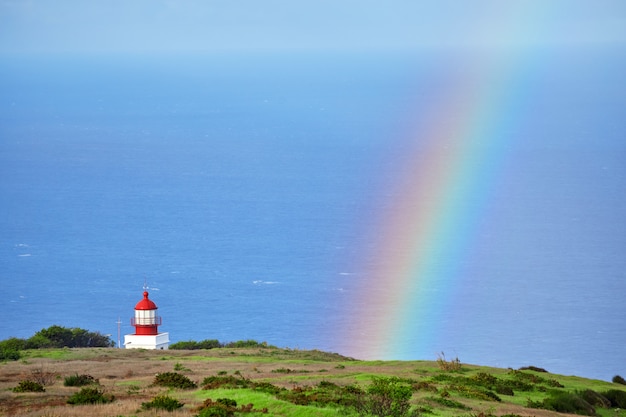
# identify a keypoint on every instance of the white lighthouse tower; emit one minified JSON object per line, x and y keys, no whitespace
{"x":146,"y":323}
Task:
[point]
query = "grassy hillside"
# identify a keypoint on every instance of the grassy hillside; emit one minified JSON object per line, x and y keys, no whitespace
{"x":285,"y":382}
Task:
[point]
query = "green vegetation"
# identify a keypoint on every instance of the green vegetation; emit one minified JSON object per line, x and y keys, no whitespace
{"x":619,"y":380}
{"x":386,"y":397}
{"x":79,"y":380}
{"x":225,"y":407}
{"x":452,"y":365}
{"x":193,"y":345}
{"x":53,"y":337}
{"x":216,"y":344}
{"x":162,"y":402}
{"x":383,"y":397}
{"x":180,"y":367}
{"x":29,"y":386}
{"x":174,"y":380}
{"x":10,"y":349}
{"x":90,"y":396}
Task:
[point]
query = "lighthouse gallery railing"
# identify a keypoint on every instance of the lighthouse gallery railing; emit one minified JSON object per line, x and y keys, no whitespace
{"x":145,"y":321}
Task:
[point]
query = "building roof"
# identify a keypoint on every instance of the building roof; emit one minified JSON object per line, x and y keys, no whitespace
{"x":145,"y":304}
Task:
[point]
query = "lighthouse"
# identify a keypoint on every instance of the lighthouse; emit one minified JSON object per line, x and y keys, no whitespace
{"x":146,"y":323}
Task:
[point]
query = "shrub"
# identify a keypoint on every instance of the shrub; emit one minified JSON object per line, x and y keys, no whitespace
{"x":532,"y":368}
{"x":446,"y":402}
{"x":225,"y":381}
{"x":227,"y":402}
{"x":193,"y":345}
{"x":90,"y":395}
{"x":217,"y":410}
{"x":448,"y":365}
{"x":247,"y":344}
{"x":386,"y":397}
{"x":180,"y":367}
{"x":617,"y":397}
{"x":13,"y":343}
{"x":594,"y":398}
{"x":42,"y":376}
{"x":225,"y":407}
{"x":29,"y":386}
{"x":267,"y":388}
{"x":565,"y":402}
{"x":525,"y":376}
{"x":79,"y":380}
{"x":57,"y":336}
{"x":324,"y":394}
{"x":174,"y":380}
{"x":162,"y":402}
{"x":619,"y":380}
{"x":424,"y":386}
{"x":9,"y":355}
{"x":282,"y":371}
{"x":554,"y":383}
{"x":10,"y":349}
{"x":485,"y":379}
{"x":504,"y":390}
{"x":514,"y":384}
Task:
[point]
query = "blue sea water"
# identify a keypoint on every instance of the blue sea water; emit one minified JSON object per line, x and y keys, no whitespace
{"x":239,"y":187}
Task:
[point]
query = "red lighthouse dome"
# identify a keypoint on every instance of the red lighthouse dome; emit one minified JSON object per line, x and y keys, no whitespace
{"x":146,"y":303}
{"x":146,"y":321}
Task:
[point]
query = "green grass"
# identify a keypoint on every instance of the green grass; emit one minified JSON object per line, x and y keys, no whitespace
{"x":261,"y":400}
{"x":58,"y":354}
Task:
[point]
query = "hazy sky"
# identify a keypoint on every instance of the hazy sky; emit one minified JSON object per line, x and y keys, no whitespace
{"x":205,"y":25}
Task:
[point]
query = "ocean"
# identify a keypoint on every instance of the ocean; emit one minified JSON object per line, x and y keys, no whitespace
{"x":382,"y":206}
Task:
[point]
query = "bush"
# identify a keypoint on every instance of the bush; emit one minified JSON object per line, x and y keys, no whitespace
{"x":79,"y":380}
{"x":180,"y":367}
{"x":532,"y":368}
{"x":246,"y":344}
{"x":485,"y":379}
{"x":448,"y":365}
{"x":223,"y":407}
{"x":193,"y":345}
{"x":526,"y":377}
{"x":593,"y":398}
{"x":227,"y":402}
{"x":38,"y":342}
{"x":90,"y":396}
{"x":42,"y":376}
{"x":58,"y":337}
{"x":619,"y":380}
{"x":217,"y":410}
{"x":174,"y":380}
{"x":504,"y":390}
{"x":29,"y":386}
{"x":617,"y":398}
{"x":9,"y":355}
{"x":162,"y":402}
{"x":225,"y":381}
{"x":326,"y":394}
{"x":386,"y":397}
{"x":565,"y":402}
{"x":10,"y":349}
{"x":446,"y":402}
{"x":514,"y":384}
{"x":554,"y":383}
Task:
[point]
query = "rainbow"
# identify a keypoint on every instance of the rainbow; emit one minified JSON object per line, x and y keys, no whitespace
{"x":432,"y":211}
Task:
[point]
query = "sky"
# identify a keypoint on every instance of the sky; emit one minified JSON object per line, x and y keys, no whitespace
{"x":153,"y":26}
